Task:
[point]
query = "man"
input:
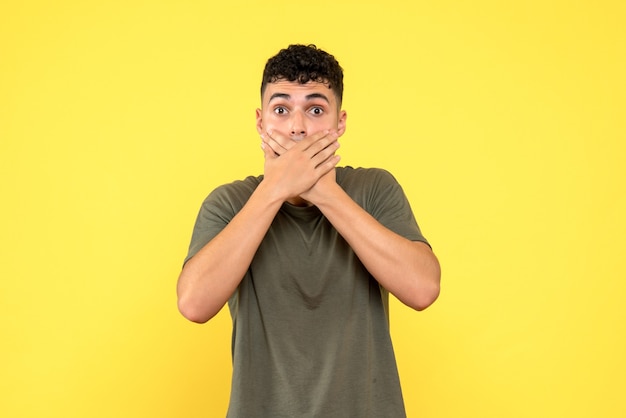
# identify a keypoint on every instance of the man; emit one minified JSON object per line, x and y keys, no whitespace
{"x":305,"y":256}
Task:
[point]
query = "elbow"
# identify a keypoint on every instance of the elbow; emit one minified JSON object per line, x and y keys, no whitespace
{"x":427,"y":293}
{"x":426,"y":280}
{"x":426,"y":297}
{"x":194,"y":312}
{"x":421,"y":297}
{"x":191,"y":303}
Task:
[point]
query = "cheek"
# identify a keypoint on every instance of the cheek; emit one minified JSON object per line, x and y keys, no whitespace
{"x":264,"y":124}
{"x":329,"y":123}
{"x":272,"y":127}
{"x":272,"y":123}
{"x":270,"y":120}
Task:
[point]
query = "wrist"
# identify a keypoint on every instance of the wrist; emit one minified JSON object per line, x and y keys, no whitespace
{"x":323,"y":193}
{"x":269,"y":193}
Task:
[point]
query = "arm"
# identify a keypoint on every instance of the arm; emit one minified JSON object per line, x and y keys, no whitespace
{"x":212,"y":275}
{"x":407,"y":269}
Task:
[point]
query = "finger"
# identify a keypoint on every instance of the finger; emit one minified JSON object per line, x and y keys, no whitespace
{"x":273,"y":145}
{"x":265,"y":143}
{"x":324,"y":142}
{"x":325,"y":154}
{"x":328,"y":164}
{"x":310,"y":140}
{"x":268,"y":152}
{"x":278,"y":142}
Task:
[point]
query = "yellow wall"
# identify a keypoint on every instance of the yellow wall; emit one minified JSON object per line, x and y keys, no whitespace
{"x":504,"y":121}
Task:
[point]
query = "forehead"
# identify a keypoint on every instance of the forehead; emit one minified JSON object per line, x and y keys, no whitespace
{"x":294,"y":91}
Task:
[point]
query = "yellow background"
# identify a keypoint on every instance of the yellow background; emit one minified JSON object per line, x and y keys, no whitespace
{"x":504,"y":122}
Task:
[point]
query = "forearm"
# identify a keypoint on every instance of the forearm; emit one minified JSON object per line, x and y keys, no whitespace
{"x":211,"y":276}
{"x":407,"y":269}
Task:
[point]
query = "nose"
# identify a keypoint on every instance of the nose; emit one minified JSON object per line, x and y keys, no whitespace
{"x":298,"y":126}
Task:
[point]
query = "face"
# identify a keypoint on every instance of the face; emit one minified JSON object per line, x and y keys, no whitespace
{"x":297,"y":110}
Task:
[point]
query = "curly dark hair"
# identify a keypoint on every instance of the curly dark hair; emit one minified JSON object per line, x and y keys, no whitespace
{"x":304,"y":63}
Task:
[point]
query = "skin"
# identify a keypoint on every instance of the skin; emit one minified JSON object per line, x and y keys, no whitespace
{"x":299,"y":125}
{"x":292,"y":112}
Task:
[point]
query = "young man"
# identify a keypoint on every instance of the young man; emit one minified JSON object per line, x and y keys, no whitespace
{"x":305,"y":256}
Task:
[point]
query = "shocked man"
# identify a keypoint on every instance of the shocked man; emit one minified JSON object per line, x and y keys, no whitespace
{"x":306,"y":255}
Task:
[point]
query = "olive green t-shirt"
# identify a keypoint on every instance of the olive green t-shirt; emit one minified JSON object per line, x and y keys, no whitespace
{"x":310,"y":324}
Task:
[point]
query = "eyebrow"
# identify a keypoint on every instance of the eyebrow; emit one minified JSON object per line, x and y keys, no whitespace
{"x":308,"y":97}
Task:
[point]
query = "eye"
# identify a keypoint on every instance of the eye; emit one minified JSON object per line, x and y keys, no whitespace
{"x":318,"y":111}
{"x":280,"y":110}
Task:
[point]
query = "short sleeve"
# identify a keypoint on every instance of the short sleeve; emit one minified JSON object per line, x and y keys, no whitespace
{"x":380,"y":194}
{"x":217,"y":210}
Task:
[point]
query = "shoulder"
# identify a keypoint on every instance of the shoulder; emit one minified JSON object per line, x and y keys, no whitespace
{"x":234,"y":194}
{"x":364,"y":177}
{"x":369,"y":187}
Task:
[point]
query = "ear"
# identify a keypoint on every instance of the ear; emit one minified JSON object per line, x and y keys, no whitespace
{"x":259,"y":121}
{"x":341,"y":124}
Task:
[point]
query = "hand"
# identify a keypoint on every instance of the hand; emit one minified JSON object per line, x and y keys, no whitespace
{"x":294,"y":167}
{"x":277,"y":142}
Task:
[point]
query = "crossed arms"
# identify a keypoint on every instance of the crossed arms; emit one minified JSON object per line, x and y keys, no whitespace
{"x":304,"y":173}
